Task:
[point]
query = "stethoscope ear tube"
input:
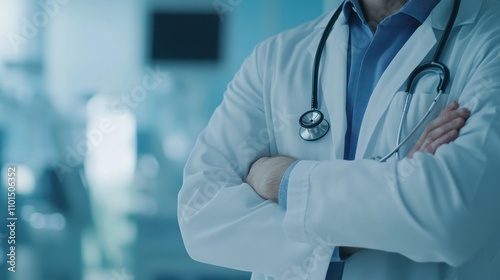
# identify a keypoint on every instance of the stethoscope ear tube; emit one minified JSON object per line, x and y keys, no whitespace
{"x":317,"y":57}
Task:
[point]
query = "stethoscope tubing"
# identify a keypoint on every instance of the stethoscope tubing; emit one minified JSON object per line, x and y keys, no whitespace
{"x":317,"y":57}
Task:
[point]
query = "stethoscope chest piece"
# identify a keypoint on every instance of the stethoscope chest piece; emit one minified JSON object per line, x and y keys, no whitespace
{"x":313,"y":125}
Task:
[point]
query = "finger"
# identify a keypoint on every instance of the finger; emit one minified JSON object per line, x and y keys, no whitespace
{"x":447,"y":116}
{"x":434,"y":124}
{"x":448,"y":113}
{"x":442,"y":115}
{"x":445,"y":139}
{"x":457,"y":123}
{"x":412,"y":151}
{"x":431,"y":136}
{"x":464,"y":113}
{"x":452,"y":106}
{"x":436,"y":134}
{"x":437,"y":127}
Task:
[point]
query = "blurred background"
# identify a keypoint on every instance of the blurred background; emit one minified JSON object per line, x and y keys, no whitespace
{"x":100,"y":105}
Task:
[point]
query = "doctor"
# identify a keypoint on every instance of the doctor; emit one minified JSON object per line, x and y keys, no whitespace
{"x":430,"y":215}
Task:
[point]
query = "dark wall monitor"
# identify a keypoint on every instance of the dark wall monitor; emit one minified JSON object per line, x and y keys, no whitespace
{"x":185,"y":37}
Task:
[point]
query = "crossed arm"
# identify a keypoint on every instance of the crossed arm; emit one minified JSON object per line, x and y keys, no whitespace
{"x":266,"y":173}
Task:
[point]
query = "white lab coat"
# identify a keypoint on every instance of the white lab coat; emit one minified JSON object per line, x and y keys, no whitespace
{"x":430,"y":217}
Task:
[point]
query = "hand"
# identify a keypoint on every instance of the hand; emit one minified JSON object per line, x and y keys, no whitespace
{"x":441,"y":130}
{"x":265,"y":175}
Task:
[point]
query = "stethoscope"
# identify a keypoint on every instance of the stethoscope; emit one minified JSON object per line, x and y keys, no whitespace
{"x":313,"y":125}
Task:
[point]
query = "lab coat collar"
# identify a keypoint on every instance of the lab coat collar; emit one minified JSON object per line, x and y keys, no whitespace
{"x":341,"y":23}
{"x":466,"y":15}
{"x":326,"y":18}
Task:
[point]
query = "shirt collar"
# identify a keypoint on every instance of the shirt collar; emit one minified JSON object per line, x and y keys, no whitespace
{"x":418,"y":9}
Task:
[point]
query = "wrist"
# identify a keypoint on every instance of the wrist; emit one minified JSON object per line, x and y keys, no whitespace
{"x":279,"y":166}
{"x":265,"y":175}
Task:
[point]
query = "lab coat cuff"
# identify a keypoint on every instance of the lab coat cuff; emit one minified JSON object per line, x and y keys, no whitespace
{"x":297,"y":199}
{"x":283,"y":191}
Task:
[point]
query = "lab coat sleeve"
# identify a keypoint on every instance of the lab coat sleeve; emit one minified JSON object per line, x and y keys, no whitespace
{"x":222,"y":220}
{"x":441,"y":208}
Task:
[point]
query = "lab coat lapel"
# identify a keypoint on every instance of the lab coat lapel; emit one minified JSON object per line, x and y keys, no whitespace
{"x":333,"y":81}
